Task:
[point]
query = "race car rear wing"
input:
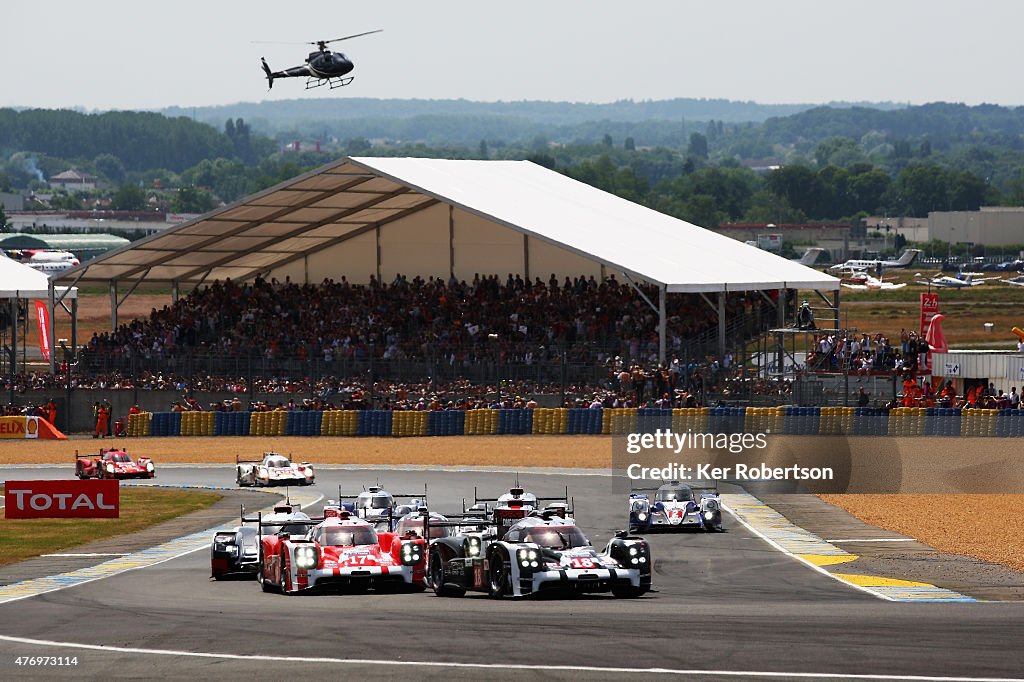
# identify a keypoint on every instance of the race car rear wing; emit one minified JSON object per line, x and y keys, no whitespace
{"x":698,"y":486}
{"x":456,"y":521}
{"x":381,"y":489}
{"x":239,"y":460}
{"x":516,"y":492}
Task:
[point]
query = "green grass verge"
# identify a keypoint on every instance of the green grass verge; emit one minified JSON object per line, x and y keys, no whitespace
{"x":22,"y":539}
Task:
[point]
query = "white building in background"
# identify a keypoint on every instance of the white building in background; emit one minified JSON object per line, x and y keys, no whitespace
{"x":991,"y":226}
{"x":74,"y":180}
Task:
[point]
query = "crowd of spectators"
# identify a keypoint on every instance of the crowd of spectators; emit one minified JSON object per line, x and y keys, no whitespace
{"x":459,"y":322}
{"x":866,"y":354}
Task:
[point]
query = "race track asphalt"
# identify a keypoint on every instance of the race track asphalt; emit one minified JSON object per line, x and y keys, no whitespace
{"x":726,"y":606}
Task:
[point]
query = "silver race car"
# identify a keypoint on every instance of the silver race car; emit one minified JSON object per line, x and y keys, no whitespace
{"x":235,"y":551}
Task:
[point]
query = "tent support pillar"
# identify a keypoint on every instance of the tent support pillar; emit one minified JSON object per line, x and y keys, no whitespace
{"x":74,"y":328}
{"x":526,"y":258}
{"x":51,"y":324}
{"x":175,"y":291}
{"x":780,"y":340}
{"x":662,"y":318}
{"x":113,"y":306}
{"x":14,"y":342}
{"x":451,"y":240}
{"x":721,"y":324}
{"x":835,"y":304}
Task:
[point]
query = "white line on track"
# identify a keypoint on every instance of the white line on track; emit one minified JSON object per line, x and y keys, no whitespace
{"x":874,"y":540}
{"x":505,"y":666}
{"x":87,"y":554}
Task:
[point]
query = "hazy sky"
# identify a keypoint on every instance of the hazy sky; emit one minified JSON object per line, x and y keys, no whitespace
{"x":135,"y":55}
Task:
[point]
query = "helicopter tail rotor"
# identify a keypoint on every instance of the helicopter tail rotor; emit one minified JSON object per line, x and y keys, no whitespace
{"x":266,"y":70}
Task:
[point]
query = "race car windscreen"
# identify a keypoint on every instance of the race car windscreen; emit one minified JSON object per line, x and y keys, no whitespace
{"x":680,"y":494}
{"x":289,"y":528}
{"x":377,"y":502}
{"x":119,"y":457}
{"x":416,"y":526}
{"x":347,"y":536}
{"x":278,"y":462}
{"x":557,"y":537}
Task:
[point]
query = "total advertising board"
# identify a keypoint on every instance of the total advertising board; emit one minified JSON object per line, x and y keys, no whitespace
{"x":62,"y":499}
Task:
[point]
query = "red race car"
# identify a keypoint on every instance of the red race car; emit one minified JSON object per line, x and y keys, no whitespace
{"x":113,"y":463}
{"x":342,"y":551}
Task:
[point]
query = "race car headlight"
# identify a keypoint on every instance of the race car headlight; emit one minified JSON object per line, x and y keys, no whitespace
{"x":472,"y":547}
{"x":633,"y":551}
{"x":528,"y":558}
{"x":224,"y":538}
{"x":411,"y":554}
{"x":110,"y":468}
{"x":308,"y":472}
{"x":149,"y":466}
{"x":305,"y":557}
{"x":264,"y":473}
{"x":711,"y":505}
{"x":708,"y":515}
{"x":642,"y":516}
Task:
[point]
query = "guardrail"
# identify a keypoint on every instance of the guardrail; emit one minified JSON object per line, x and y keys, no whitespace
{"x":788,"y":420}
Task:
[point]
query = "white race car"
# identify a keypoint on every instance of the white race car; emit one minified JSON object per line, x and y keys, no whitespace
{"x":537,"y":554}
{"x":273,"y":469}
{"x":675,"y":506}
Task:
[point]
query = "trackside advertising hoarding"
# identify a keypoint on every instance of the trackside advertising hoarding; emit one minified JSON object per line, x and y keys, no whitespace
{"x":19,"y":427}
{"x":62,"y":499}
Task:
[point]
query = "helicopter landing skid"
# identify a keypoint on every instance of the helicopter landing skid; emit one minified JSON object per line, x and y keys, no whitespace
{"x":332,"y":82}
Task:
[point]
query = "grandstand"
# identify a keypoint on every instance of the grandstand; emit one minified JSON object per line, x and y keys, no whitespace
{"x":473,"y":262}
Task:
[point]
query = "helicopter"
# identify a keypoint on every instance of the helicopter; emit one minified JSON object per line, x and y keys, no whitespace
{"x":322,"y":67}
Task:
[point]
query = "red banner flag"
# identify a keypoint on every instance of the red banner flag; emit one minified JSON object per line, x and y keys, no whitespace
{"x":929,"y":309}
{"x":43,"y":318}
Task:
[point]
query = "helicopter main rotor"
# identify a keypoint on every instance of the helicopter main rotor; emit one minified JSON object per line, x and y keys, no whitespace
{"x":322,"y":44}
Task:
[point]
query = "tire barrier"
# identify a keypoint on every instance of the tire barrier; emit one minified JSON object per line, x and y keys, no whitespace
{"x":375,"y":423}
{"x":448,"y":423}
{"x":409,"y":423}
{"x":898,"y":422}
{"x":139,"y":424}
{"x":231,"y":423}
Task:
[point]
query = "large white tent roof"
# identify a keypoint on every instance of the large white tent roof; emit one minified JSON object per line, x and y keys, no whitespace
{"x":336,"y":205}
{"x":20,"y":281}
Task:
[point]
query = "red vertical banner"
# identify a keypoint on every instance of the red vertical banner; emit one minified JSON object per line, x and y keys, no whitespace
{"x":43,"y":318}
{"x":929,"y":309}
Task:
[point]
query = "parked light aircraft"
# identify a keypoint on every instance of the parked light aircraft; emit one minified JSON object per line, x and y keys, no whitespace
{"x":947,"y":282}
{"x":865,"y":282}
{"x":810,"y":256}
{"x":905,"y":259}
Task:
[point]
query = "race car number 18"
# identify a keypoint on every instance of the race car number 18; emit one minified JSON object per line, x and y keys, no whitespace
{"x":582,"y":562}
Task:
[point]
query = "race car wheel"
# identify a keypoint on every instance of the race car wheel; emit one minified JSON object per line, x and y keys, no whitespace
{"x":436,"y":573}
{"x":627,"y":591}
{"x":498,"y":574}
{"x":283,"y":583}
{"x":264,"y":584}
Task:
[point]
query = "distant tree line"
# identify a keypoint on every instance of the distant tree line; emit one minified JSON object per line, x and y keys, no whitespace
{"x":822,"y":164}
